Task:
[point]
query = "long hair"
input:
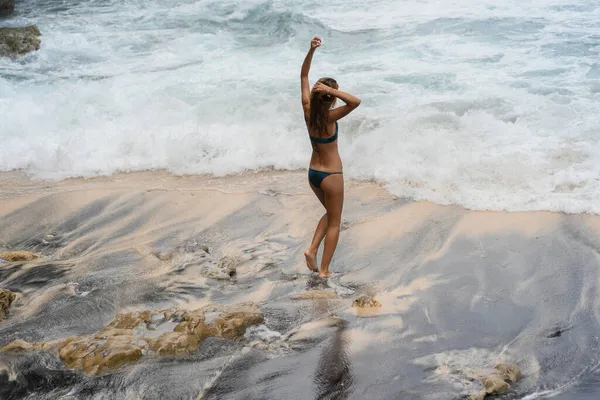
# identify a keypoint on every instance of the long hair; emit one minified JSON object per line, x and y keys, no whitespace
{"x":320,"y":103}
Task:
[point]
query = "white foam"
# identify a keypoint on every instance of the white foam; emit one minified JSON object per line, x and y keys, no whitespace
{"x":474,"y":103}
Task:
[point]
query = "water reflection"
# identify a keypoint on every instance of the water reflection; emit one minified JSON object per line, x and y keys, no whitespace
{"x":333,"y":377}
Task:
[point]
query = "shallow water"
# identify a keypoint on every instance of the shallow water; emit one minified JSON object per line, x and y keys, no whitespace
{"x":460,"y":290}
{"x":475,"y":103}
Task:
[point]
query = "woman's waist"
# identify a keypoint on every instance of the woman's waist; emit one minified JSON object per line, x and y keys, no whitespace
{"x":326,"y":165}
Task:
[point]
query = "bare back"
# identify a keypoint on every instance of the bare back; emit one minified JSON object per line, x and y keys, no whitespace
{"x":325,"y":156}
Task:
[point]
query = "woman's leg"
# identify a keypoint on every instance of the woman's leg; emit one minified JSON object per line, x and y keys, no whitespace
{"x":333,"y":187}
{"x":311,"y":252}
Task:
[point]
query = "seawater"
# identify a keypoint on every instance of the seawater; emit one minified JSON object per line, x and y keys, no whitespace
{"x":485,"y":104}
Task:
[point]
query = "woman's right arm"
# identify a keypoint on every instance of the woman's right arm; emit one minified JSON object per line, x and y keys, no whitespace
{"x":304,"y":85}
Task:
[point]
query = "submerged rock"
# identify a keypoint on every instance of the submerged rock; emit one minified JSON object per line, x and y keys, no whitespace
{"x":510,"y":372}
{"x":16,"y":255}
{"x":314,"y":294}
{"x":18,"y":41}
{"x":193,"y":255}
{"x":498,"y":381}
{"x":227,"y":264}
{"x":127,"y":338}
{"x":6,"y":299}
{"x":20,"y":345}
{"x":7,"y":7}
{"x":365,"y":302}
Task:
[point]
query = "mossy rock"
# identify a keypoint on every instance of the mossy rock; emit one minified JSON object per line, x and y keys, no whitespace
{"x":15,"y":42}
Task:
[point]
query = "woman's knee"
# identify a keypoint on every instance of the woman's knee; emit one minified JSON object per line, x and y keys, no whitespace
{"x":333,"y":221}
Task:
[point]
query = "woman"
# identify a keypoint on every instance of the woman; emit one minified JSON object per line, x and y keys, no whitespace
{"x":325,"y":172}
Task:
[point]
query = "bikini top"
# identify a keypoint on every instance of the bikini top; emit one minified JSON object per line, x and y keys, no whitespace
{"x":326,"y":140}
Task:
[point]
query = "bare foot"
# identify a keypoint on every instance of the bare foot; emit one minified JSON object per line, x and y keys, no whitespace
{"x":325,"y":274}
{"x":311,"y":261}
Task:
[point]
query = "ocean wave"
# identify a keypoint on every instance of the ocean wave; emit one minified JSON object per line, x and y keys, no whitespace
{"x":488,"y":108}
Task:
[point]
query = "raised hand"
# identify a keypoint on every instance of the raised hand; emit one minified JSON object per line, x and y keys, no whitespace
{"x":321,"y":88}
{"x":315,"y":42}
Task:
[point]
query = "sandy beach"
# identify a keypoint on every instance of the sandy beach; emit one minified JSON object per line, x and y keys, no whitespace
{"x":459,"y":292}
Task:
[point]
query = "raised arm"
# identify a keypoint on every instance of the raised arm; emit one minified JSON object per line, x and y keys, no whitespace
{"x":304,"y":85}
{"x":340,"y":112}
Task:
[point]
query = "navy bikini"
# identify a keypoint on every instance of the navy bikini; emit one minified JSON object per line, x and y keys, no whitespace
{"x":316,"y":177}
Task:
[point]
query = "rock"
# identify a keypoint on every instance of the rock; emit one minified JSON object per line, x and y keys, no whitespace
{"x":177,"y":316}
{"x":220,"y":274}
{"x":365,"y":302}
{"x":130,"y":320}
{"x":17,"y":255}
{"x":22,"y":345}
{"x":6,"y":299}
{"x":95,"y":355}
{"x":314,"y":294}
{"x":125,"y":340}
{"x":495,"y":384}
{"x":477,"y":396}
{"x":19,"y":345}
{"x":511,"y":372}
{"x":6,"y":7}
{"x":227,"y":264}
{"x":175,"y":343}
{"x":228,"y":322}
{"x":15,"y":42}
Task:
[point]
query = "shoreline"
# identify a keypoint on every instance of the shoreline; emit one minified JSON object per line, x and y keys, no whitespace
{"x":136,"y":179}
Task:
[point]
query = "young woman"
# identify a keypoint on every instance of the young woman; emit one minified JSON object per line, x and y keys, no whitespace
{"x":325,"y":171}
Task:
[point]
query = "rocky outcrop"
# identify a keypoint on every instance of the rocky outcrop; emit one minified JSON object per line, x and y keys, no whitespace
{"x":132,"y":335}
{"x":6,"y":7}
{"x":105,"y":351}
{"x":6,"y":299}
{"x":16,"y":42}
{"x":498,"y":381}
{"x":16,"y":255}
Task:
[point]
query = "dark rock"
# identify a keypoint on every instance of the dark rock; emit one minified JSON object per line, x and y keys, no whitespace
{"x":16,"y":42}
{"x":7,"y":7}
{"x":32,"y":373}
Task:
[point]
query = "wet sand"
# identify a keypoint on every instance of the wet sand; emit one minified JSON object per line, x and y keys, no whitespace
{"x":460,"y":290}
